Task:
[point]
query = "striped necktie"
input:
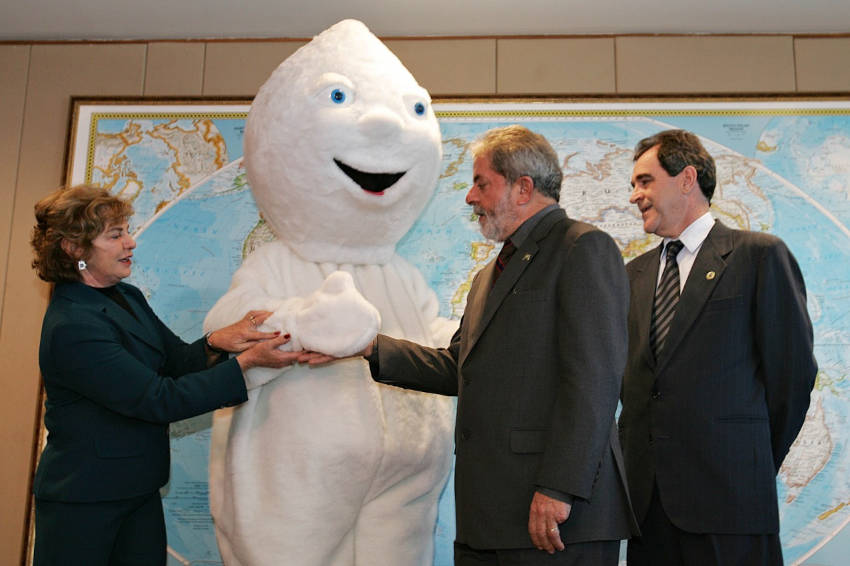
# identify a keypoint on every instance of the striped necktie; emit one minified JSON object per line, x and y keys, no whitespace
{"x":666,"y":299}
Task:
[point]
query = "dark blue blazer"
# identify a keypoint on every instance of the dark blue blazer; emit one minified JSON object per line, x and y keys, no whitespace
{"x":711,"y":420}
{"x":113,"y":384}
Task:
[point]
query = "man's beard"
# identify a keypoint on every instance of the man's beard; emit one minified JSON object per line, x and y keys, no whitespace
{"x":499,"y":220}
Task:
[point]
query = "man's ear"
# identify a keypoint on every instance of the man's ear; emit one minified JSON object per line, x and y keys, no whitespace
{"x":689,"y":179}
{"x":70,"y":248}
{"x":526,"y":189}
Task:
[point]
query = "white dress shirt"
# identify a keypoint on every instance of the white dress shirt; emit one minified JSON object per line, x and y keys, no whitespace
{"x":692,"y":237}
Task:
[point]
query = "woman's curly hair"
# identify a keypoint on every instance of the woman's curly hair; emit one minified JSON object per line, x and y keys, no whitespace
{"x":78,"y":214}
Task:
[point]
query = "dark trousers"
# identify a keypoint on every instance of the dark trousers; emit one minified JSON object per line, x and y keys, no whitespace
{"x":664,"y":544}
{"x":597,"y":553}
{"x":128,"y":532}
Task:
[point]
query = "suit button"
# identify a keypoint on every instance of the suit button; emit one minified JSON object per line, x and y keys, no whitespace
{"x":465,"y":434}
{"x":656,"y":396}
{"x":466,"y":382}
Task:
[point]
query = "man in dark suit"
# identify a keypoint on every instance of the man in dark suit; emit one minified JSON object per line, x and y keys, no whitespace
{"x":719,"y":371}
{"x":536,"y":365}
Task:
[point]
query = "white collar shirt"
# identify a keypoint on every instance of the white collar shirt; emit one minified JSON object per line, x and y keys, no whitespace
{"x":692,"y":237}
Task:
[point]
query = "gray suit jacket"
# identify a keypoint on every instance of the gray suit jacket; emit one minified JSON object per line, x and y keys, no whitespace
{"x":713,"y":418}
{"x":536,"y":365}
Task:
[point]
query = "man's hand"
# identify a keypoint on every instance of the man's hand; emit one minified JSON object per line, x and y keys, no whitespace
{"x":543,"y":520}
{"x":315,"y":359}
{"x":318,"y":359}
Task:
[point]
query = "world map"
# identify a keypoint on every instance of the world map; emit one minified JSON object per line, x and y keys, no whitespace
{"x":783,"y":167}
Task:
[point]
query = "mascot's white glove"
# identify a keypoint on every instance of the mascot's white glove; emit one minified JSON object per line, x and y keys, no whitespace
{"x":335,"y":319}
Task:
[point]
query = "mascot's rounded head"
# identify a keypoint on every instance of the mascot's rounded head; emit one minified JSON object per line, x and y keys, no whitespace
{"x":342,"y":148}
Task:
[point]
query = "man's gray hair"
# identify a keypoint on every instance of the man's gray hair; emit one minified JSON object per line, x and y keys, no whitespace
{"x":515,"y":151}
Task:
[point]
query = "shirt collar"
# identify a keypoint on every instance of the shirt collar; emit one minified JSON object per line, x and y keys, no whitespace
{"x":695,"y":234}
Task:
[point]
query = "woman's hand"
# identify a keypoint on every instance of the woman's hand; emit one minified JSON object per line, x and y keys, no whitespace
{"x":267,"y":354}
{"x":241,"y":335}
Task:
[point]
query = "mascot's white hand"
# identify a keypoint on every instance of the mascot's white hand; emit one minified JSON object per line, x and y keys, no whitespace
{"x":336,"y":319}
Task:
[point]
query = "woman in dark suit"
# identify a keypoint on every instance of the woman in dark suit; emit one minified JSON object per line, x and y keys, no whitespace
{"x":115,"y":376}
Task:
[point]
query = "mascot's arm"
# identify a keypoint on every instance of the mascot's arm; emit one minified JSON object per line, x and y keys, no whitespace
{"x":442,"y":329}
{"x":334,"y":319}
{"x":256,"y":285}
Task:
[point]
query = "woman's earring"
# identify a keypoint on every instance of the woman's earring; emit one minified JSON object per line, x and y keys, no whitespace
{"x":81,"y":264}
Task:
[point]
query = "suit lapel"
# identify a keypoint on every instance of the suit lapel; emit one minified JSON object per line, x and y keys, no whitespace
{"x":705,"y":273}
{"x":143,"y":328}
{"x":485,"y":302}
{"x":473,"y":314}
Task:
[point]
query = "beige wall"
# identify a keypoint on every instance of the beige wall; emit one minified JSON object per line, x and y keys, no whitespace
{"x":38,"y":81}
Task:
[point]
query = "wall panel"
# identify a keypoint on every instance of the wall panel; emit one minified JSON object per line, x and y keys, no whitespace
{"x":556,"y":66}
{"x":450,"y":67}
{"x":822,"y":64}
{"x":703,"y":64}
{"x":240,"y":68}
{"x":14,"y":60}
{"x":175,"y":69}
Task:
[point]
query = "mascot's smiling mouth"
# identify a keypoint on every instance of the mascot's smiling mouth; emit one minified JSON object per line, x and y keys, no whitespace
{"x":374,"y":183}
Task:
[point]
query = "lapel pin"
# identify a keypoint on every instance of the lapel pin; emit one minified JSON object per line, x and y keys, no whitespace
{"x":710,"y":275}
{"x":526,"y":257}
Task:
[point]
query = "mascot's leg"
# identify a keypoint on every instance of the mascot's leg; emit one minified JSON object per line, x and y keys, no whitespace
{"x":218,"y":450}
{"x":396,"y":524}
{"x":301,"y":456}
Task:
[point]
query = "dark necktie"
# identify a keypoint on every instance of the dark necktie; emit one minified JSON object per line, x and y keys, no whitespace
{"x":666,"y":299}
{"x":502,"y":259}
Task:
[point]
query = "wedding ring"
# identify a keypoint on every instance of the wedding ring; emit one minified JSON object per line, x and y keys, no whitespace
{"x":553,"y":529}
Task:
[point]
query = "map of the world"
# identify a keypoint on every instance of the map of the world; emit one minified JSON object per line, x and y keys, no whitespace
{"x":783,"y":168}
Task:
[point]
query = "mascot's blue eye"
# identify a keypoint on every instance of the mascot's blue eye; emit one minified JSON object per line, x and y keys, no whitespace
{"x":338,"y":96}
{"x":419,"y":108}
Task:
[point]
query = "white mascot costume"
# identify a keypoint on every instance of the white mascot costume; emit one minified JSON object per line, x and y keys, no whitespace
{"x":322,"y":466}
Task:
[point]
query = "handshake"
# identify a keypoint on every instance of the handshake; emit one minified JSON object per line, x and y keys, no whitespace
{"x":335,"y":321}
